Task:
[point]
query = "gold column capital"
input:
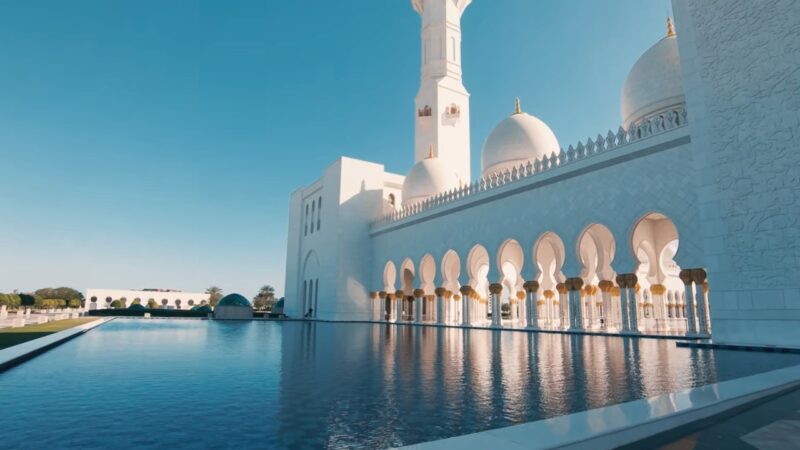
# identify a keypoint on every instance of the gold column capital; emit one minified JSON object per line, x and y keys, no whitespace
{"x":531,"y":286}
{"x":699,"y":276}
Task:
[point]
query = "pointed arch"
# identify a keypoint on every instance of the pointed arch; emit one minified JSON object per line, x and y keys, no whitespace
{"x":548,"y":257}
{"x":389,"y":276}
{"x":427,"y":274}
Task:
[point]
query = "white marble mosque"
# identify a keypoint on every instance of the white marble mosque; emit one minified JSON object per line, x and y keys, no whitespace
{"x":646,"y":229}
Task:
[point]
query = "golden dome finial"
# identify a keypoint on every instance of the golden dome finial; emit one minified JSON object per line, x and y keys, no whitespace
{"x":430,"y":151}
{"x":518,"y":109}
{"x":670,"y":27}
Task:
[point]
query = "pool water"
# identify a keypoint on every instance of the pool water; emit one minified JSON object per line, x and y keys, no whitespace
{"x":195,"y":383}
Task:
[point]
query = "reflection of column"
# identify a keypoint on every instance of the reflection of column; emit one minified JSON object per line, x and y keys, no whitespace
{"x":574,"y":286}
{"x":398,"y":298}
{"x":495,"y":289}
{"x":418,"y":294}
{"x":440,"y":305}
{"x":466,"y":298}
{"x":532,"y":319}
{"x":686,"y":277}
{"x":699,"y":277}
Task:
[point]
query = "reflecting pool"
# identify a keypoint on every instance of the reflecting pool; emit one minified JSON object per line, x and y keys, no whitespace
{"x":192,"y":383}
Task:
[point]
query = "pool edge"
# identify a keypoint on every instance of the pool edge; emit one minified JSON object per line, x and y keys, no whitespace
{"x":13,"y":356}
{"x":633,"y":421}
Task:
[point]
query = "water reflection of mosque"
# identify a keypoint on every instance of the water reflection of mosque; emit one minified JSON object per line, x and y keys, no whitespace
{"x":472,"y":380}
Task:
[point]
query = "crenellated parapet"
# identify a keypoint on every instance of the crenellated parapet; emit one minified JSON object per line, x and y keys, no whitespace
{"x":676,"y":118}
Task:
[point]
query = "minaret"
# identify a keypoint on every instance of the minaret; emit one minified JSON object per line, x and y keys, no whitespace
{"x":442,"y":112}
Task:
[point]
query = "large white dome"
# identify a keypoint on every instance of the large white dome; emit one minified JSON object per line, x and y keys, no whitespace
{"x":517,"y":140}
{"x":428,"y":177}
{"x":654,"y":84}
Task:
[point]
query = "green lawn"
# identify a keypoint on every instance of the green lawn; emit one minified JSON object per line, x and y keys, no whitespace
{"x":13,"y":336}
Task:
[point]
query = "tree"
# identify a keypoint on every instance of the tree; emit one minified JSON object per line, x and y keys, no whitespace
{"x":265,"y":298}
{"x":214,"y":294}
{"x":151,"y":303}
{"x":74,"y":303}
{"x":27,"y":300}
{"x":117,"y":304}
{"x":62,"y":293}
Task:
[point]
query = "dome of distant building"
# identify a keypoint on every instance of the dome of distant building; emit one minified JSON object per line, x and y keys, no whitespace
{"x":516,"y":140}
{"x":654,"y":84}
{"x":233,"y":306}
{"x":428,"y":177}
{"x":233,"y":300}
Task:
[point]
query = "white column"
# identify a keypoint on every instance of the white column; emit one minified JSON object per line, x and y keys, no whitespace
{"x":418,"y":294}
{"x":686,"y":277}
{"x":624,"y":310}
{"x":465,"y":300}
{"x":532,"y":320}
{"x":495,"y":289}
{"x":440,"y":305}
{"x":702,"y":320}
{"x":633,"y":315}
{"x":399,"y":297}
{"x":605,"y":293}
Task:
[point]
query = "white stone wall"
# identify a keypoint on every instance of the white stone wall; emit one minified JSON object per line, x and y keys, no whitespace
{"x":116,"y":294}
{"x":615,"y":189}
{"x":338,"y":255}
{"x":741,"y":63}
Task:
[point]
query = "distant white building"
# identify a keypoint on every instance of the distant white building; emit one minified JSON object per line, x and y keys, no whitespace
{"x":164,"y":298}
{"x":631,"y":231}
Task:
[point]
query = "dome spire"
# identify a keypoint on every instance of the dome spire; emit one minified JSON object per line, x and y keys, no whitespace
{"x":518,"y":109}
{"x":670,"y":28}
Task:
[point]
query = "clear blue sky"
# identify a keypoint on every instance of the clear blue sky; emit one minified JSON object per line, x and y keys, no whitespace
{"x":155,"y":143}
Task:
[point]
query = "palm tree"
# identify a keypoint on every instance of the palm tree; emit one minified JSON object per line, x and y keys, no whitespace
{"x":214,"y":294}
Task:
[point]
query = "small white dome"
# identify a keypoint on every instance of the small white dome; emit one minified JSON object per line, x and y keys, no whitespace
{"x":654,"y":84}
{"x":517,"y":140}
{"x":428,"y":177}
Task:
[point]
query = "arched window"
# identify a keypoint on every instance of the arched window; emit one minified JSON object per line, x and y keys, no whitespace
{"x":94,"y":299}
{"x":164,"y":302}
{"x":109,"y":299}
{"x":392,"y":200}
{"x":319,"y":213}
{"x":305,"y":233}
{"x":313,"y":207}
{"x":191,"y":302}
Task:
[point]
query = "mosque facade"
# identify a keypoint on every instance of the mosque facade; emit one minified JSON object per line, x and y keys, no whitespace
{"x":682,"y":222}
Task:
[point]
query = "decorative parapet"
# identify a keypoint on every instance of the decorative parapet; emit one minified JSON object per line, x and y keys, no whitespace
{"x":676,"y":118}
